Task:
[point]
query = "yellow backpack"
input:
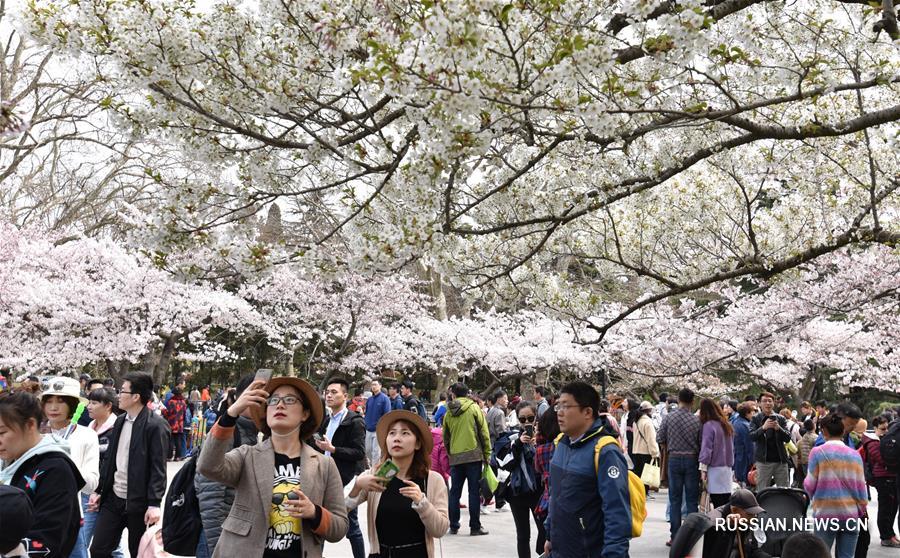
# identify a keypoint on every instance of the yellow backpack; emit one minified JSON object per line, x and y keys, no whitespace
{"x":636,"y":491}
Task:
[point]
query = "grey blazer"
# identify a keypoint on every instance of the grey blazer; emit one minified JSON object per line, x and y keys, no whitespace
{"x":250,"y":470}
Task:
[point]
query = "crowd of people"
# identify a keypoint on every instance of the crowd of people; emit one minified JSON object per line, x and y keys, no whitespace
{"x":285,"y":466}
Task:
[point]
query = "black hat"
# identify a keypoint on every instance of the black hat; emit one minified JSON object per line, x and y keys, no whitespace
{"x":15,"y":517}
{"x":745,"y":500}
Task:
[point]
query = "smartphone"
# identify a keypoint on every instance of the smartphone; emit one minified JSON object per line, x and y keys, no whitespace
{"x":387,"y":470}
{"x":529,"y":430}
{"x":318,"y":437}
{"x":263,"y":375}
{"x":771,"y":417}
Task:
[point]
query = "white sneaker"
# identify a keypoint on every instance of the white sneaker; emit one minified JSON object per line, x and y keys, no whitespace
{"x":503,"y":509}
{"x":485,"y":509}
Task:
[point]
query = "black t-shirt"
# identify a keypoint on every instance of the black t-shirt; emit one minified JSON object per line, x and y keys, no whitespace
{"x":284,"y":537}
{"x":772,"y":455}
{"x":398,"y":525}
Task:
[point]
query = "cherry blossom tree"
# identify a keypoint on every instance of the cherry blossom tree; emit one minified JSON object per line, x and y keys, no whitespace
{"x":326,"y":315}
{"x":685,"y":143}
{"x":64,"y":306}
{"x":832,"y":322}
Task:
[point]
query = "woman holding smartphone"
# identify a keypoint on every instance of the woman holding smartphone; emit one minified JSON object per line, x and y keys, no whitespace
{"x":407,"y":500}
{"x":303,"y":486}
{"x":514,"y":452}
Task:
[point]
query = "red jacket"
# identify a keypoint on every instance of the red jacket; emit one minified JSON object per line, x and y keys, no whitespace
{"x":870,"y":451}
{"x":174,"y":413}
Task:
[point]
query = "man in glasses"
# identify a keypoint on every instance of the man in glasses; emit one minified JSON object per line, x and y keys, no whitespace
{"x":133,"y":479}
{"x":590,"y":502}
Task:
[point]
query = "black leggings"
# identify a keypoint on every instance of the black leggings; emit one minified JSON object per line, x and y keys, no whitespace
{"x":640,"y":460}
{"x":522,"y":511}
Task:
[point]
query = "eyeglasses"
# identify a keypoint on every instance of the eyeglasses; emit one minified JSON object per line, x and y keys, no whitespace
{"x":277,"y":499}
{"x":127,"y":393}
{"x":287,"y":400}
{"x":526,"y":419}
{"x":559,"y":407}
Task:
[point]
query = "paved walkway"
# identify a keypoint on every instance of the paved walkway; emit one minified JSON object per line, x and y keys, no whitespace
{"x":501,"y":542}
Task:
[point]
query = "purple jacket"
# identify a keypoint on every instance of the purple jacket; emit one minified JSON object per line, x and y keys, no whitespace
{"x":716,"y":449}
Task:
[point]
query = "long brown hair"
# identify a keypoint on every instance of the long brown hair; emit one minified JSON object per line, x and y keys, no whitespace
{"x":710,"y":410}
{"x":421,"y":462}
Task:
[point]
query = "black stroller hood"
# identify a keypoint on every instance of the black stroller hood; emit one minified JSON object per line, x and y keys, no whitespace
{"x":781,"y":503}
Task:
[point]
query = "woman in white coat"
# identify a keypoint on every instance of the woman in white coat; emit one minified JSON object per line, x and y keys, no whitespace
{"x":59,"y":404}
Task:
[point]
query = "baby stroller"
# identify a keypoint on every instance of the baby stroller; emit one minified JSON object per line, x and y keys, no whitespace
{"x":785,"y":503}
{"x":698,"y":538}
{"x":689,"y":541}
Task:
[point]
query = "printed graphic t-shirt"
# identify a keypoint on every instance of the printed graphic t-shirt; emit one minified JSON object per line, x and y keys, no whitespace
{"x":283,"y":539}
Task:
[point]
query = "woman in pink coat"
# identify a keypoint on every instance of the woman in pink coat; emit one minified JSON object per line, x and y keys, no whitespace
{"x":440,"y":460}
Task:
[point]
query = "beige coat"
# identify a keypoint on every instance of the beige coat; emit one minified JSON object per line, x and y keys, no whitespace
{"x":433,"y":514}
{"x":645,"y":437}
{"x":250,"y":470}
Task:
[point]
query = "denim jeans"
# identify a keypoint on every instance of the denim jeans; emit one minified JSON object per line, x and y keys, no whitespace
{"x":470,"y":473}
{"x":684,"y":480}
{"x":87,"y":532}
{"x":354,"y":535}
{"x":843,"y":539}
{"x":177,"y":445}
{"x":202,"y":546}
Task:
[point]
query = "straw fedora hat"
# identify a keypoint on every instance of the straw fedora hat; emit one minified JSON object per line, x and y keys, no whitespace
{"x":385,"y":423}
{"x":312,"y":401}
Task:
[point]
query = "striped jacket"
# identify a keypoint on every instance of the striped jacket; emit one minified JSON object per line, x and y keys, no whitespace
{"x":835,"y":482}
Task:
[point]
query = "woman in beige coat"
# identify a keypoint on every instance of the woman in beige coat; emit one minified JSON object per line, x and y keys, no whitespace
{"x":644,"y":448}
{"x":407,"y":512}
{"x":288,"y":497}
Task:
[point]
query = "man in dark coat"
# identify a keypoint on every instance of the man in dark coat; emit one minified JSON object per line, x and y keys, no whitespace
{"x":343,"y":437}
{"x":133,"y":479}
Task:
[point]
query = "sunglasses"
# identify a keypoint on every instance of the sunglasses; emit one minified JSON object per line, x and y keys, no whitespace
{"x":277,"y":499}
{"x":527,"y":419}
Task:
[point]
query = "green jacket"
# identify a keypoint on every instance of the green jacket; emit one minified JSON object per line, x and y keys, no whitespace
{"x":466,"y":435}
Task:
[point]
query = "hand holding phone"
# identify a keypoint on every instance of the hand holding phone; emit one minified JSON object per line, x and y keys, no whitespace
{"x":387,"y":471}
{"x":263,"y":375}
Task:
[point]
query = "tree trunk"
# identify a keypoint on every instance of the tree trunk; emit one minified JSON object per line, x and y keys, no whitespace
{"x":162,"y":367}
{"x":117,"y":369}
{"x":809,"y":385}
{"x":442,"y":380}
{"x":286,"y":363}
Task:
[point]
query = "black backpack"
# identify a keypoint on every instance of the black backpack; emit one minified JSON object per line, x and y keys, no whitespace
{"x":890,"y":447}
{"x":181,"y":524}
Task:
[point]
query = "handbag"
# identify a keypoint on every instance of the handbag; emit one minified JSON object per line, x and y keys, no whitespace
{"x":151,"y":543}
{"x":650,"y":474}
{"x":791,"y":447}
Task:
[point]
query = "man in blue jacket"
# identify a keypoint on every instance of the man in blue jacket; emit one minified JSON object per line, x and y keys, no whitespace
{"x":590,"y":507}
{"x":376,"y":407}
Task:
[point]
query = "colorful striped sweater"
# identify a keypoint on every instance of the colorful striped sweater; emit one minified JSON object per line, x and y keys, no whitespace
{"x":836,"y":483}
